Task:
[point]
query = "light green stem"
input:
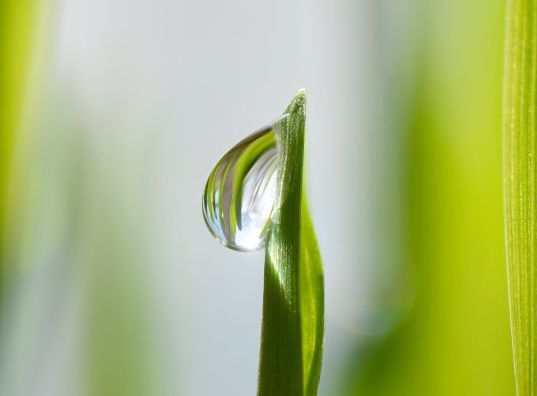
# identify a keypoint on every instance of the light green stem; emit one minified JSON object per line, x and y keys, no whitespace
{"x":520,"y":186}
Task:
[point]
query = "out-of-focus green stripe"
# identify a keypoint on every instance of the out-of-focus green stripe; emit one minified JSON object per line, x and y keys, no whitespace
{"x":17,"y":37}
{"x":455,"y":340}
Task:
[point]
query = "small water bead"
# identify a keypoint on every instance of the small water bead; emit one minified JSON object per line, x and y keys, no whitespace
{"x":240,"y":192}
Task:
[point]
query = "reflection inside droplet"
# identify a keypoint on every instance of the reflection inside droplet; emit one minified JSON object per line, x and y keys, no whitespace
{"x":240,"y":192}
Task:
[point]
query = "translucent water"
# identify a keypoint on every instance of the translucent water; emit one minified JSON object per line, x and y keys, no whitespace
{"x":240,"y":192}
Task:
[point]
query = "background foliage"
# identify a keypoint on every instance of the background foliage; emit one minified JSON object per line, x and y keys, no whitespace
{"x":111,"y":115}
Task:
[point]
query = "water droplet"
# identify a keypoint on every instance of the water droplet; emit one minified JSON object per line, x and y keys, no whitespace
{"x":240,"y":192}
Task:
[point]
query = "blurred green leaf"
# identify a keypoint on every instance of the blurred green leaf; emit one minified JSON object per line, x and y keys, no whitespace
{"x":293,"y":301}
{"x":455,"y":340}
{"x":520,"y":186}
{"x":17,"y":36}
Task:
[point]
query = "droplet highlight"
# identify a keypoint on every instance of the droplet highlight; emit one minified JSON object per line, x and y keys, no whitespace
{"x":240,"y":192}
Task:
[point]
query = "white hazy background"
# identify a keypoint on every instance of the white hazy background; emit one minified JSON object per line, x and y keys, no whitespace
{"x":160,"y":91}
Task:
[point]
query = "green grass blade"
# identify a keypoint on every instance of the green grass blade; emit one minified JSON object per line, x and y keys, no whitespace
{"x":311,"y":303}
{"x":293,"y":307}
{"x":520,"y":186}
